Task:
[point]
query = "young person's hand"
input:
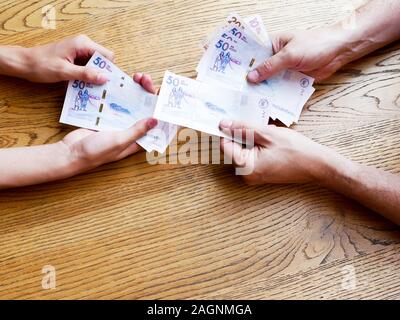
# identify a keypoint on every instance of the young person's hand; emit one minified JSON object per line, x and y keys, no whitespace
{"x":89,"y":149}
{"x":55,"y":62}
{"x":145,"y":81}
{"x":79,"y":151}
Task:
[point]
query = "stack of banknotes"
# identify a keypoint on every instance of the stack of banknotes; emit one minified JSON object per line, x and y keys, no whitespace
{"x":221,"y":90}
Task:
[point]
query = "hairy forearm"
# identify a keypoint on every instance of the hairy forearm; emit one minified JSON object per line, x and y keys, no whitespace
{"x":375,"y":189}
{"x":34,"y":165}
{"x":372,"y":26}
{"x":14,"y":61}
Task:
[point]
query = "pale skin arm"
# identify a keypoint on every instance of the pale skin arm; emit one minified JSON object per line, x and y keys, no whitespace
{"x":79,"y":151}
{"x":375,"y":189}
{"x":322,"y":51}
{"x":284,"y":156}
{"x":53,"y":62}
{"x":281,"y":155}
{"x":82,"y":149}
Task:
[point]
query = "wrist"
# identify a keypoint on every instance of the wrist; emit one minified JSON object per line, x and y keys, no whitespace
{"x":344,"y":44}
{"x":333,"y":169}
{"x":15,"y":61}
{"x":69,"y":163}
{"x":352,"y":42}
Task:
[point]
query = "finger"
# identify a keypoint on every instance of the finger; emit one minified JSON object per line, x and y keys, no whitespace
{"x":137,"y":77}
{"x":87,"y":74}
{"x":129,"y":136}
{"x":240,"y":130}
{"x":272,"y":66}
{"x":131,"y":149}
{"x":325,"y":72}
{"x":233,"y":152}
{"x":147,"y":83}
{"x":86,"y":47}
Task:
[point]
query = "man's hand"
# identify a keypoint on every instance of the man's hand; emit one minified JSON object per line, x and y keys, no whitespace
{"x":318,"y":53}
{"x":56,"y":61}
{"x":279,"y":155}
{"x":321,"y":52}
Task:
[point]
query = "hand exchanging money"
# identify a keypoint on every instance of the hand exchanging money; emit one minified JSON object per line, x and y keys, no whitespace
{"x":79,"y":151}
{"x":54,"y":62}
{"x":319,"y":53}
{"x":89,"y":149}
{"x":280,"y":155}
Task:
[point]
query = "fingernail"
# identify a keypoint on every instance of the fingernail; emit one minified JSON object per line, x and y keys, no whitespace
{"x":152,"y":123}
{"x":253,"y":76}
{"x":101,"y":78}
{"x":225,"y":124}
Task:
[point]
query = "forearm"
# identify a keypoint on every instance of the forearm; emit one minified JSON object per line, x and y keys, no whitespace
{"x":34,"y":165}
{"x":375,"y":189}
{"x":371,"y":27}
{"x":14,"y":61}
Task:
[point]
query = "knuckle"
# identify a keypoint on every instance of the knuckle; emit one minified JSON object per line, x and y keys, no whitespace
{"x":290,"y":56}
{"x":87,"y":75}
{"x":81,"y":38}
{"x":240,"y":160}
{"x":266,"y":66}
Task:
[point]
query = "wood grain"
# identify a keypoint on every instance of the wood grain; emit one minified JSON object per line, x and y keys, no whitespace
{"x":130,"y":230}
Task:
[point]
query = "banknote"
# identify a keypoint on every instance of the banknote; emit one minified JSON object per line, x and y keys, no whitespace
{"x":200,"y":106}
{"x":230,"y":55}
{"x":256,"y":24}
{"x":114,"y":106}
{"x":287,"y":92}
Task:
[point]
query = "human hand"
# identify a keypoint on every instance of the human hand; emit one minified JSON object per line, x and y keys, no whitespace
{"x":145,"y":81}
{"x":318,"y":52}
{"x":279,"y":155}
{"x":55,"y":62}
{"x":89,"y":149}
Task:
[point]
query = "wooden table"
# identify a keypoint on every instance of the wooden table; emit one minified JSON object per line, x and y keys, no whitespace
{"x":130,"y":230}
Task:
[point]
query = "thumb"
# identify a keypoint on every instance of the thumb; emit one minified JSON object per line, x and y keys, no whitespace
{"x":87,"y":74}
{"x":241,"y":131}
{"x":138,"y":130}
{"x":234,"y":152}
{"x":272,"y":66}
